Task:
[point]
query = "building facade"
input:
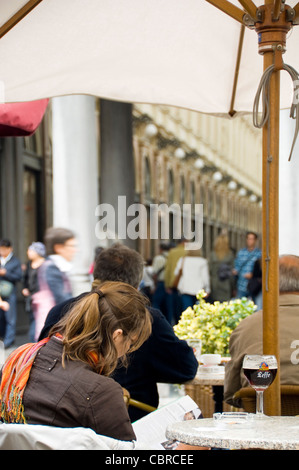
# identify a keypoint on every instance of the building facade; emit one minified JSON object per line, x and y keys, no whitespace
{"x":26,"y":176}
{"x":184,"y":157}
{"x":82,"y":156}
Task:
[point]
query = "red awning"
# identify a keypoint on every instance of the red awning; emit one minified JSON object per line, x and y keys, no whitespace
{"x":21,"y":119}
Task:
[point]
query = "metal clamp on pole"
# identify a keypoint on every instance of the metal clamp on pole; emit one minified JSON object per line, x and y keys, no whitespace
{"x":272,"y":32}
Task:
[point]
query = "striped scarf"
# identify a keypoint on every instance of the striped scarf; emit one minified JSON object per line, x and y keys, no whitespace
{"x":15,"y":374}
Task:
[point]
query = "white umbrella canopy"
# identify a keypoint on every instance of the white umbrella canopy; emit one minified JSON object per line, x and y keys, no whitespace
{"x":179,"y":53}
{"x":151,"y":51}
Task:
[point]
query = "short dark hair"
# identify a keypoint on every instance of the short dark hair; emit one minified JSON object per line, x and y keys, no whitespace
{"x":56,"y":235}
{"x":252,"y":233}
{"x":119,"y":263}
{"x":5,"y":242}
{"x":288,"y":273}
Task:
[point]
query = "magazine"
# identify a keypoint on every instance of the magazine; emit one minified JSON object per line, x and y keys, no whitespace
{"x":152,"y":427}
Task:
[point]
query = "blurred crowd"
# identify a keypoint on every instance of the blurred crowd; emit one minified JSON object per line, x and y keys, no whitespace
{"x":170,"y":281}
{"x":173,"y":278}
{"x":44,"y":277}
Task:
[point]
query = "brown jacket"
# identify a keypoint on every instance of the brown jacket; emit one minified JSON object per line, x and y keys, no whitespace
{"x":247,"y":338}
{"x":74,"y":396}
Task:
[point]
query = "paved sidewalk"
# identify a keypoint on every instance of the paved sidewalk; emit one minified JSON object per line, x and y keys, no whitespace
{"x":169,"y":393}
{"x":20,"y":339}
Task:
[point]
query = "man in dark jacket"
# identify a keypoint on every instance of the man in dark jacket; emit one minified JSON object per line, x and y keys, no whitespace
{"x":11,"y":271}
{"x":162,"y":358}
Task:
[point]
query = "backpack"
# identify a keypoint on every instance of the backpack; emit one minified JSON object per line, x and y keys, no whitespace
{"x":224,"y":272}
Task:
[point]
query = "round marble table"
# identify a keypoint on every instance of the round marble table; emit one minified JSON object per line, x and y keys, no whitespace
{"x":276,"y":433}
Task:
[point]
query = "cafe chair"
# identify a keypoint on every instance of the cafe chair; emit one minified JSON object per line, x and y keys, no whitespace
{"x":289,"y":399}
{"x":42,"y":437}
{"x":138,"y":404}
{"x":203,"y":395}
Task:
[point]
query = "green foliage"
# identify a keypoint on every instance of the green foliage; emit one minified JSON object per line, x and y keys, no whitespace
{"x":213,"y":323}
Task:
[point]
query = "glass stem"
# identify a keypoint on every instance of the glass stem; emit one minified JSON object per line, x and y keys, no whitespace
{"x":259,"y":402}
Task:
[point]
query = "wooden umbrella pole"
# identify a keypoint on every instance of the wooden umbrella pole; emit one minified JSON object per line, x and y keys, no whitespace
{"x":270,"y":250}
{"x":272,"y":43}
{"x":272,"y":23}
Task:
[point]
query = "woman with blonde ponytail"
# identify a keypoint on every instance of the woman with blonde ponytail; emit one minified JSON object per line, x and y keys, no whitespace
{"x":64,"y":379}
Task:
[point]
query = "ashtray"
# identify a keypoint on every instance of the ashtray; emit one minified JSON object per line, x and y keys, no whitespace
{"x":233,"y":417}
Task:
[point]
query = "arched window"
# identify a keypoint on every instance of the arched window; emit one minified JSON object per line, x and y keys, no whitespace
{"x":210,"y":203}
{"x":170,"y":187}
{"x":147,"y":178}
{"x":182,"y":190}
{"x":203,"y":198}
{"x":192,"y":195}
{"x":219,"y":201}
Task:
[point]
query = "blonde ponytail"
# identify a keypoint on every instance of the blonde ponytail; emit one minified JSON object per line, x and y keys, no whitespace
{"x":87,"y":329}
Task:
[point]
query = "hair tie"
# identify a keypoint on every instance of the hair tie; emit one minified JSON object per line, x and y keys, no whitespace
{"x":100,"y":293}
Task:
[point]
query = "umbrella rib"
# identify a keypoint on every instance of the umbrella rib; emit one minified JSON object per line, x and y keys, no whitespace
{"x":249,"y":6}
{"x":237,"y":68}
{"x":17,"y":17}
{"x":277,"y":9}
{"x":229,"y":9}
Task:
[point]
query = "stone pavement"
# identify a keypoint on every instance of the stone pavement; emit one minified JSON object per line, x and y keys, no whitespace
{"x":20,"y":339}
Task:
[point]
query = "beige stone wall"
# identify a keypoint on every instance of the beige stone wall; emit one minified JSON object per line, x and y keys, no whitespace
{"x":232,"y":147}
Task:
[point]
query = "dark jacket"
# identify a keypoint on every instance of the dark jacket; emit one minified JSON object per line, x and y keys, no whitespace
{"x":163,"y":358}
{"x":30,"y":280}
{"x":14,"y":271}
{"x":74,"y":396}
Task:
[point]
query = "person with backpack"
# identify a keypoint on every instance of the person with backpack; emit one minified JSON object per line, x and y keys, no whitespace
{"x":221,"y":264}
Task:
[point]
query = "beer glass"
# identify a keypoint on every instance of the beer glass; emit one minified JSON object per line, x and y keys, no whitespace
{"x":260,"y":371}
